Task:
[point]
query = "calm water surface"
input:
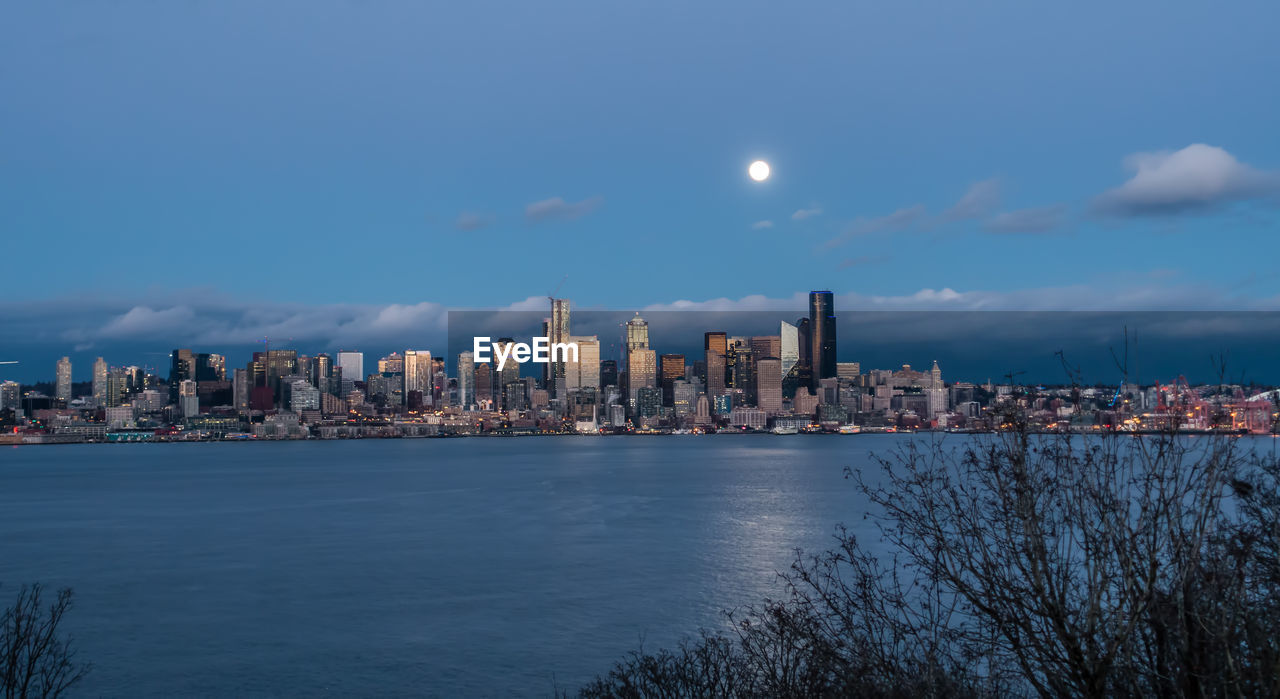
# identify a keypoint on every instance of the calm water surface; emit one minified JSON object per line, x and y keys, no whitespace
{"x":409,"y":567}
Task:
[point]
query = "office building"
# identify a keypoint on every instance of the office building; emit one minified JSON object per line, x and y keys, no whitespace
{"x":466,"y":380}
{"x":352,"y":364}
{"x":671,"y":368}
{"x":100,"y":383}
{"x":418,"y":375}
{"x":188,"y":400}
{"x":643,"y":373}
{"x":715,"y":345}
{"x":585,"y":372}
{"x":769,"y":384}
{"x":822,"y":333}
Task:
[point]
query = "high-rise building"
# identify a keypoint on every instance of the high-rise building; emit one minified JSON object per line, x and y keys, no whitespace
{"x":609,"y":372}
{"x":637,"y":334}
{"x":769,"y":384}
{"x":715,"y":345}
{"x":849,"y":371}
{"x":670,"y":370}
{"x":684,"y":396}
{"x":740,"y":368}
{"x":648,"y":399}
{"x":182,"y":367}
{"x":352,"y":364}
{"x":322,"y":373}
{"x":188,"y":400}
{"x":63,"y":390}
{"x":118,"y":381}
{"x":822,"y":332}
{"x":11,"y":396}
{"x":466,"y":380}
{"x":484,"y":386}
{"x":240,"y":389}
{"x":584,"y":373}
{"x":642,"y":372}
{"x":210,"y":367}
{"x":556,"y":329}
{"x":100,"y":383}
{"x":417,"y":375}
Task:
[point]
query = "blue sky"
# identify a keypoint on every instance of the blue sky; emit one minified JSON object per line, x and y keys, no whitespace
{"x":164,"y":166}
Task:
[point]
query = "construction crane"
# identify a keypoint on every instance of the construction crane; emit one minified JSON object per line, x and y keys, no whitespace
{"x":552,"y":295}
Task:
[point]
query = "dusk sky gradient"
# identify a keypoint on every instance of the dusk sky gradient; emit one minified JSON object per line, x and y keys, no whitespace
{"x":287,"y":160}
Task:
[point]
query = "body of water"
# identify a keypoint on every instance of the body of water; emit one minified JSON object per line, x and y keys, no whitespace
{"x":409,"y":567}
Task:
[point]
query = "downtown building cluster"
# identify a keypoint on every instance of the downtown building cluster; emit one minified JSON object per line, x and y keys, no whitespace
{"x":785,"y":382}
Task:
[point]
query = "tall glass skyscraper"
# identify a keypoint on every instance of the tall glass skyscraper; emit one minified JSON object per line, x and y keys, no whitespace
{"x":822,"y":333}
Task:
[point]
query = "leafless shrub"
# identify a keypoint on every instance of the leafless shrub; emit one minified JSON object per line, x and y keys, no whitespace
{"x":36,"y":660}
{"x":1019,"y":564}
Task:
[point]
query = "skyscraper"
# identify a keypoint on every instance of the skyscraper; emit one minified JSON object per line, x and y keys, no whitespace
{"x":557,"y":333}
{"x":822,"y":333}
{"x":63,"y":390}
{"x":417,"y":375}
{"x":100,"y":383}
{"x":466,"y":380}
{"x":584,"y":373}
{"x":715,"y":346}
{"x":769,"y":384}
{"x":352,"y":364}
{"x":321,"y":372}
{"x":182,"y":367}
{"x":642,"y":372}
{"x":637,"y":334}
{"x":670,"y":370}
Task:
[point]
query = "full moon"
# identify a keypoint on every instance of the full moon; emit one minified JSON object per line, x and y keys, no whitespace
{"x":759,"y":171}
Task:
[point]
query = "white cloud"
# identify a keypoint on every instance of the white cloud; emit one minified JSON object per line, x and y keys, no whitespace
{"x":900,"y":220}
{"x":981,"y":199}
{"x":1198,"y":177}
{"x":1035,"y":220}
{"x":761,"y":225}
{"x":473,"y":221}
{"x":557,"y":209}
{"x":802,"y":214}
